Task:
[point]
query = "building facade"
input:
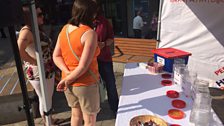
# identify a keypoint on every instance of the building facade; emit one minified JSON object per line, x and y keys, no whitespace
{"x":119,"y":12}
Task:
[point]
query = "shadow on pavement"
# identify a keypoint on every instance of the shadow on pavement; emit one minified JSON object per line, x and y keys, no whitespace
{"x":60,"y":106}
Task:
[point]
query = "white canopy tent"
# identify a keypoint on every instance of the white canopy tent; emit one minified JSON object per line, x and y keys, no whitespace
{"x":195,"y":26}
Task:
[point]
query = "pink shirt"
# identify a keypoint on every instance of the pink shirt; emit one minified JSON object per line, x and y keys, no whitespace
{"x":104,"y":31}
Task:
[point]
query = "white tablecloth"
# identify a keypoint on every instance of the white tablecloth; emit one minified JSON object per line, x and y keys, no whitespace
{"x":142,"y":93}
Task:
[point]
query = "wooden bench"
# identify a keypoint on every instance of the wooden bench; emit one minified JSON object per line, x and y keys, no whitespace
{"x":133,"y":50}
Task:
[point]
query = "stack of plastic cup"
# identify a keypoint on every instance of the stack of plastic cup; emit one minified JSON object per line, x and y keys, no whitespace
{"x":201,"y":110}
{"x":178,"y":70}
{"x":199,"y":86}
{"x":189,"y":78}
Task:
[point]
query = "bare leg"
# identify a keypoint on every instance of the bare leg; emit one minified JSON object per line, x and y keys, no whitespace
{"x":44,"y":120}
{"x":76,"y":119}
{"x":89,"y":119}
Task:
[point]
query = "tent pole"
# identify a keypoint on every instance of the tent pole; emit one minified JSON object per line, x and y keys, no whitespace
{"x":26,"y":106}
{"x":43,"y":85}
{"x":159,"y":22}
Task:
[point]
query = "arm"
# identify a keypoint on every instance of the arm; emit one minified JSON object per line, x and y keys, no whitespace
{"x":25,"y":38}
{"x":58,"y":60}
{"x":109,"y":41}
{"x":110,"y":34}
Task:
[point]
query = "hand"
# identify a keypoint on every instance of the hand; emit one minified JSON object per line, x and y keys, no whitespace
{"x":101,"y":44}
{"x":67,"y":73}
{"x":62,"y":85}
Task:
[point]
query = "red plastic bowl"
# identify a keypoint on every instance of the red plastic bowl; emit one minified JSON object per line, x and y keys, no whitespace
{"x":179,"y":104}
{"x":166,"y":82}
{"x":176,"y":114}
{"x":172,"y":94}
{"x":166,"y":76}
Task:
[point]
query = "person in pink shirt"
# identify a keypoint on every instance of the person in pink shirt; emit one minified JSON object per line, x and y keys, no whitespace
{"x":154,"y":23}
{"x":105,"y":36}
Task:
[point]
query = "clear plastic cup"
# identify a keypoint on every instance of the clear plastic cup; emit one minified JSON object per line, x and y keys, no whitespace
{"x":199,"y":86}
{"x":201,"y":109}
{"x":202,"y":117}
{"x":202,"y":101}
{"x":178,"y":70}
{"x":188,"y":80}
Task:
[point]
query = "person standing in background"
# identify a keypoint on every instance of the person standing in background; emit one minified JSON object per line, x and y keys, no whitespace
{"x":154,"y":23}
{"x":27,"y":52}
{"x":105,"y":36}
{"x":77,"y":38}
{"x":137,"y":25}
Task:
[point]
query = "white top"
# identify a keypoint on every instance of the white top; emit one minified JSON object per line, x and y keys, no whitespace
{"x":142,"y":93}
{"x":137,"y":22}
{"x":30,"y":49}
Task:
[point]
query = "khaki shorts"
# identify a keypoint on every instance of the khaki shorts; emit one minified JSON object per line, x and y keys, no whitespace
{"x":85,"y":97}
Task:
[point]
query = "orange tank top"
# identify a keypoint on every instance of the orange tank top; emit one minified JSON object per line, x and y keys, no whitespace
{"x":71,"y":62}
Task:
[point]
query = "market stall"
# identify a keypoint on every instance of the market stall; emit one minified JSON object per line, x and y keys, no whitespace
{"x":143,"y":94}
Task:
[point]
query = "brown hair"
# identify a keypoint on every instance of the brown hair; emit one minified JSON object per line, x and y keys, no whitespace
{"x":99,"y":7}
{"x":83,"y":12}
{"x":27,"y":16}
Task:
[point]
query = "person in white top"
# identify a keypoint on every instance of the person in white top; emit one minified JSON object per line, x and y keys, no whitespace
{"x":137,"y":25}
{"x":27,"y":52}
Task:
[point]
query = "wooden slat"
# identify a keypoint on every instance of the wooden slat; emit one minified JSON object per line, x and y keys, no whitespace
{"x":134,"y":52}
{"x":121,"y":58}
{"x":141,"y":59}
{"x":134,"y":39}
{"x":139,"y":49}
{"x":137,"y":46}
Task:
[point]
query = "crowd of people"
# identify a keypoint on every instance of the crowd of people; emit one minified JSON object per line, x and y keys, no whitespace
{"x":82,"y":53}
{"x":138,"y":25}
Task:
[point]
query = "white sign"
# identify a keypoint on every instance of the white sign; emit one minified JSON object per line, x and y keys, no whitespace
{"x":161,"y":60}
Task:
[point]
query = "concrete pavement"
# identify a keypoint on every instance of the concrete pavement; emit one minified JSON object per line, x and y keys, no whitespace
{"x":62,"y":111}
{"x":10,"y":104}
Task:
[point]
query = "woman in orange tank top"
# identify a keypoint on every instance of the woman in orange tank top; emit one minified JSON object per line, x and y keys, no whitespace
{"x":80,"y":87}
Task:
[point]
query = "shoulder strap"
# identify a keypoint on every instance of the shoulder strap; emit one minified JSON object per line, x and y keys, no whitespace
{"x":69,"y":43}
{"x":70,"y":46}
